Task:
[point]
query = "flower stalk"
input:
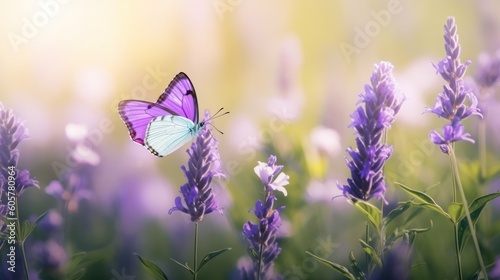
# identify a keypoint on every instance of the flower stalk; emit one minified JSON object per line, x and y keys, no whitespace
{"x":451,"y":104}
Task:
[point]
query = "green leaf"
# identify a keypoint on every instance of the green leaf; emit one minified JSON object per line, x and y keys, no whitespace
{"x":373,"y":213}
{"x":152,"y":268}
{"x":475,"y":209}
{"x":28,"y":227}
{"x":76,"y":274}
{"x":425,"y":200}
{"x":80,"y":261}
{"x":410,"y":234}
{"x":354,"y":264}
{"x":76,"y":269}
{"x":455,"y":210}
{"x":335,"y":266}
{"x":396,"y":212}
{"x":211,"y":256}
{"x":185,"y":266}
{"x":371,"y":252}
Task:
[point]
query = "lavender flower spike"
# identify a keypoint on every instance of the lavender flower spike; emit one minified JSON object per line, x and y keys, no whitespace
{"x":203,"y":165}
{"x":382,"y":102}
{"x":261,"y":236}
{"x":451,"y":102}
{"x":12,"y":132}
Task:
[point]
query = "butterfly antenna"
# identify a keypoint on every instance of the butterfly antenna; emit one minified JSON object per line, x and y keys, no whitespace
{"x":216,"y":128}
{"x":214,"y":116}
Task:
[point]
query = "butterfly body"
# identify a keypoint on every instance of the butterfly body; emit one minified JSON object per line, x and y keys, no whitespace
{"x":167,"y":124}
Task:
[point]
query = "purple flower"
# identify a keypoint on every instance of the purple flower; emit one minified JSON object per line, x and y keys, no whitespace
{"x":266,"y":173}
{"x":49,"y":256}
{"x":203,"y":165}
{"x":451,"y":133}
{"x":3,"y":213}
{"x":51,"y":223}
{"x":451,"y":102}
{"x":75,"y":182}
{"x":261,"y":236}
{"x":495,"y":271}
{"x":382,"y":101}
{"x":12,"y":132}
{"x":397,"y":263}
{"x":488,"y":70}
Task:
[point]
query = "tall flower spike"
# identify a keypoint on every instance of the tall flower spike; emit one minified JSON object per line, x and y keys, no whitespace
{"x":451,"y":102}
{"x":12,"y":132}
{"x":261,"y":236}
{"x":382,"y":101}
{"x":203,"y":165}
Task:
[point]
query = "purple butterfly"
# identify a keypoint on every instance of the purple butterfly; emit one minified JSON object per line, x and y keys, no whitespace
{"x":167,"y":124}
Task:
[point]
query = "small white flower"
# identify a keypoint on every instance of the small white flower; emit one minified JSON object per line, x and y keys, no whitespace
{"x":264,"y":171}
{"x":281,"y":180}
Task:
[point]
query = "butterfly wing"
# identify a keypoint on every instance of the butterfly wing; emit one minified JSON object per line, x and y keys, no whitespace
{"x":179,"y":98}
{"x":138,"y":114}
{"x":166,"y":134}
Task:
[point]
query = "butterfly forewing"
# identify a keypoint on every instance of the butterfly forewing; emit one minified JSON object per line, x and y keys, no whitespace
{"x":180,"y":97}
{"x":168,"y":133}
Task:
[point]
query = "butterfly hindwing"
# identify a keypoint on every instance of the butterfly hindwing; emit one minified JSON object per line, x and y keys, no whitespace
{"x":178,"y":99}
{"x":166,"y":134}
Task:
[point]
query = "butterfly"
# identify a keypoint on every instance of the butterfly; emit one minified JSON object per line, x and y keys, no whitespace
{"x":169,"y":123}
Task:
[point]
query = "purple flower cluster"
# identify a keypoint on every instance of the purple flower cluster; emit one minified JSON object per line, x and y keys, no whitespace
{"x":12,"y":132}
{"x":50,"y":257}
{"x":261,"y":236}
{"x":203,"y":165}
{"x":450,"y":103}
{"x":382,"y":101}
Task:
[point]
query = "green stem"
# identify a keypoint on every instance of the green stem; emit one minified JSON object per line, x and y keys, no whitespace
{"x":367,"y":257}
{"x":259,"y":265}
{"x":21,"y":242}
{"x":457,"y":250}
{"x":65,"y":224}
{"x":467,"y":212}
{"x":195,"y":268}
{"x":382,"y":231}
{"x":453,"y":178}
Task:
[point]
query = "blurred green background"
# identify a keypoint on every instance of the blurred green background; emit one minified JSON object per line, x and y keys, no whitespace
{"x":286,"y":70}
